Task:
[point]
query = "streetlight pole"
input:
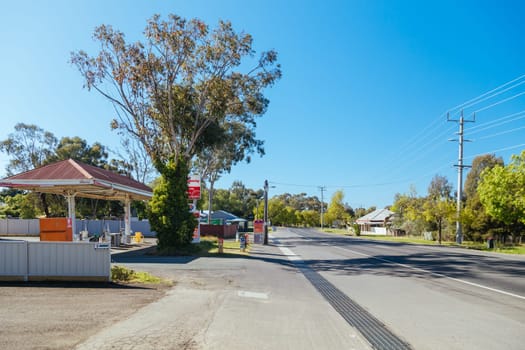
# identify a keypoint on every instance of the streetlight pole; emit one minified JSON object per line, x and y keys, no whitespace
{"x":322,"y":188}
{"x":265,"y":242}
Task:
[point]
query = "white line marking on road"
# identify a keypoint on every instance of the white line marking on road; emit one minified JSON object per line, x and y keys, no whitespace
{"x":438,"y":274}
{"x":289,"y":254}
{"x":253,"y":295}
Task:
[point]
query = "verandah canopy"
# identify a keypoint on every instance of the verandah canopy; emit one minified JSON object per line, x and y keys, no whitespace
{"x":75,"y":179}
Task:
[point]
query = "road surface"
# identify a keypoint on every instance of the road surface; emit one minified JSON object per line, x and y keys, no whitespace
{"x":431,"y":297}
{"x":309,"y":290}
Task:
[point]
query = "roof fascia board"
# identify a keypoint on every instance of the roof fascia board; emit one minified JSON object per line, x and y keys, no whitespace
{"x":48,"y":183}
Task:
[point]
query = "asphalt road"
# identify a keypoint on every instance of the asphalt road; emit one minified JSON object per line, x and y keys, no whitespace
{"x":432,"y":297}
{"x":258,"y":302}
{"x":306,"y":290}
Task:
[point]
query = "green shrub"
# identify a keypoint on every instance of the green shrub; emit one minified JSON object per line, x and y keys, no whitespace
{"x":122,"y":274}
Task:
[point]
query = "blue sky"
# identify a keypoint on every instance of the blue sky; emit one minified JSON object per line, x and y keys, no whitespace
{"x":361,"y":103}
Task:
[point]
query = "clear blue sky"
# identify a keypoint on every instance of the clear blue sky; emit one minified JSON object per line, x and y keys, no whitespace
{"x":361,"y":102}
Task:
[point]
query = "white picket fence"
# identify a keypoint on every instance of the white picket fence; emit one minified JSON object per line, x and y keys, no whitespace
{"x":42,"y":261}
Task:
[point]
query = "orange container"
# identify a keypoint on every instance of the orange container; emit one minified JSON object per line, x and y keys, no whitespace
{"x":55,"y":229}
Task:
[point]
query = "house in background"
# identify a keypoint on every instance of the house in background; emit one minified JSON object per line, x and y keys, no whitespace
{"x":221,"y":217}
{"x":223,"y":223}
{"x":376,"y":222}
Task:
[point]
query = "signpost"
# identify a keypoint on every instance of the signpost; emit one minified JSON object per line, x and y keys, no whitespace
{"x":194,"y":187}
{"x":258,"y":230}
{"x":194,"y":193}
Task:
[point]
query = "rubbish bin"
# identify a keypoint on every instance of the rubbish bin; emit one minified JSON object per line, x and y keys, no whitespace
{"x":115,"y":239}
{"x":490,"y":243}
{"x":242,"y":242}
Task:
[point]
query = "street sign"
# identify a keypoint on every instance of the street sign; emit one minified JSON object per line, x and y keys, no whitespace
{"x":194,"y":187}
{"x":258,"y":226}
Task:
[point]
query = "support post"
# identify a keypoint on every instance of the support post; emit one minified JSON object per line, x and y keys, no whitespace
{"x":127,"y":217}
{"x":265,"y":241}
{"x":322,"y":188}
{"x":460,"y":166}
{"x":71,"y":214}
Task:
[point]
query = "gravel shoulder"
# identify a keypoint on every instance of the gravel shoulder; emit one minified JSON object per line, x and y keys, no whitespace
{"x":62,"y":315}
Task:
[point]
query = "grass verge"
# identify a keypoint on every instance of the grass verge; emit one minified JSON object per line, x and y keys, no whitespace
{"x":122,"y":274}
{"x":515,"y":249}
{"x":208,"y":246}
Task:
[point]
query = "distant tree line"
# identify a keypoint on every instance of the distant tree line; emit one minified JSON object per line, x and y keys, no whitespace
{"x":493,"y":203}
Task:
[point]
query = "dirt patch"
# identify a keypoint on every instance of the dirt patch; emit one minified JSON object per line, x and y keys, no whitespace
{"x":61,"y":315}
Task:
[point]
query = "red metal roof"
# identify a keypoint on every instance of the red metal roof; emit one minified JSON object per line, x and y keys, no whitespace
{"x":85,"y":180}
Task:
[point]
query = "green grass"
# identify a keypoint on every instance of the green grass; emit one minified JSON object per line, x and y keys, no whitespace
{"x":506,"y":249}
{"x":229,"y":247}
{"x":406,"y":239}
{"x":122,"y":274}
{"x":515,"y":249}
{"x":339,"y":231}
{"x":208,"y":246}
{"x":198,"y":249}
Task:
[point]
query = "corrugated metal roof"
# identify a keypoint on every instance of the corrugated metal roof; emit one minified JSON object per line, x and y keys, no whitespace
{"x":222,"y":214}
{"x":378,"y":215}
{"x":86,"y":180}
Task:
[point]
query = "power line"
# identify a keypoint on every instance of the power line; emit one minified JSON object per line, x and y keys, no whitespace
{"x":499,"y":121}
{"x":501,"y":133}
{"x":409,"y":145}
{"x":497,"y":150}
{"x":427,"y":140}
{"x":470,"y":103}
{"x":379,"y":184}
{"x":462,"y":105}
{"x":293,"y":185}
{"x":411,"y":150}
{"x":421,"y":152}
{"x":494,"y":95}
{"x":500,"y":102}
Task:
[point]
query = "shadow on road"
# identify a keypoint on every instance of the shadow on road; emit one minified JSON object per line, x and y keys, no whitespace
{"x":405,"y":260}
{"x":74,"y":285}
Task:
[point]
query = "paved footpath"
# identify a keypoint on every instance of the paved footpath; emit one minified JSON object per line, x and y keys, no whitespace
{"x":260,"y":302}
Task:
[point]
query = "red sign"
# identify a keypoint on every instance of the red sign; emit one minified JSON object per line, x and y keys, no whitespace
{"x":258,"y":226}
{"x":194,"y":187}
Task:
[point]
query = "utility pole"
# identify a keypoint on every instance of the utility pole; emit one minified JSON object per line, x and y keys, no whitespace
{"x":322,"y":188}
{"x":265,"y":241}
{"x":460,"y":166}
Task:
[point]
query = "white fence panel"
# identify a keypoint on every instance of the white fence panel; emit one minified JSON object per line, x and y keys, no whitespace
{"x":20,"y":226}
{"x":55,"y":260}
{"x":379,"y":230}
{"x":13,"y":258}
{"x":68,"y":259}
{"x":144,"y":227}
